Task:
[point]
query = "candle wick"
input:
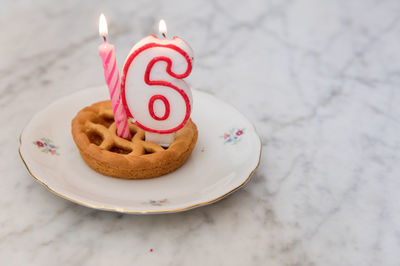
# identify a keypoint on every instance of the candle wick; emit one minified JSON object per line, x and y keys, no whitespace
{"x":104,"y":38}
{"x":163,"y":34}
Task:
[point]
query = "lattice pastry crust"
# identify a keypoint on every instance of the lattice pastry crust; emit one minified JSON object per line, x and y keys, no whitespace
{"x":94,"y":133}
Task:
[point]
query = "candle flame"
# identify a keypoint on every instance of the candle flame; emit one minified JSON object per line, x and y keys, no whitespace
{"x":162,"y":27}
{"x":103,"y":29}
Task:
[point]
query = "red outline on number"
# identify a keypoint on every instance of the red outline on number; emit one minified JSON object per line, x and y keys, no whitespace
{"x":166,"y":104}
{"x":158,"y":82}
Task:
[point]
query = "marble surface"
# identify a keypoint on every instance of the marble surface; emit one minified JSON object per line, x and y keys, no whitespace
{"x":319,"y":79}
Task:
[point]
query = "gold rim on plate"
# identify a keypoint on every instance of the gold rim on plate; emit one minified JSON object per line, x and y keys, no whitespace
{"x":120,"y":210}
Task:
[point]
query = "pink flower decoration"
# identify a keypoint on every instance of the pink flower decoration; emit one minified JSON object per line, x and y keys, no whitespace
{"x":52,"y":151}
{"x":239,"y":132}
{"x":226,"y":135}
{"x":39,"y":143}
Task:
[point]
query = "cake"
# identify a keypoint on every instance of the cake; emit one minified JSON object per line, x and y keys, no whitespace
{"x":94,"y":132}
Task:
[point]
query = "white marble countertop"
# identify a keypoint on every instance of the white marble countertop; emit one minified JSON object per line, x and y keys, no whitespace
{"x":320,"y":80}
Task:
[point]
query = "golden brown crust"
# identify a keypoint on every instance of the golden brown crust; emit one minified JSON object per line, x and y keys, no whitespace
{"x":94,"y":133}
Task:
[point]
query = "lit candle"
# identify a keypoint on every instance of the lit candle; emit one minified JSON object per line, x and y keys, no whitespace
{"x":107,"y":53}
{"x":154,"y":94}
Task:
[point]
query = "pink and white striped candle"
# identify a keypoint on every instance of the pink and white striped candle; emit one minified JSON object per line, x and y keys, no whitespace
{"x":111,"y":74}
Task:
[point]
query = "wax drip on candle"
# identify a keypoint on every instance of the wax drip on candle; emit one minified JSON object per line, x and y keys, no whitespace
{"x":162,"y":27}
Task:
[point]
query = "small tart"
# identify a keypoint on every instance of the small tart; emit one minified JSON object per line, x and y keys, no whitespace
{"x":94,"y":133}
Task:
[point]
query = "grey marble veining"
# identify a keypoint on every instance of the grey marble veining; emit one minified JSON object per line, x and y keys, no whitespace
{"x":319,"y":79}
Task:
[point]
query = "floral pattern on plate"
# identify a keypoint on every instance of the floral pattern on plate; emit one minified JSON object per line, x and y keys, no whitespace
{"x":233,"y":136}
{"x":46,"y":145}
{"x":157,"y":202}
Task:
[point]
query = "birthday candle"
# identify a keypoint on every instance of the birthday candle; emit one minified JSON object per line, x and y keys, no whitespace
{"x":153,"y":90}
{"x":107,"y":53}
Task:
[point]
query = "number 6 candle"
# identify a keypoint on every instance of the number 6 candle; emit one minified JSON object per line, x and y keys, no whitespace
{"x":153,"y":91}
{"x":107,"y":53}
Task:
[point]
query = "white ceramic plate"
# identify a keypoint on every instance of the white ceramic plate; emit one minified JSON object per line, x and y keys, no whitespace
{"x":226,"y":154}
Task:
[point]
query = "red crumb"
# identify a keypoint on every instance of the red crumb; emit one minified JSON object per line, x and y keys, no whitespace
{"x":151,"y":250}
